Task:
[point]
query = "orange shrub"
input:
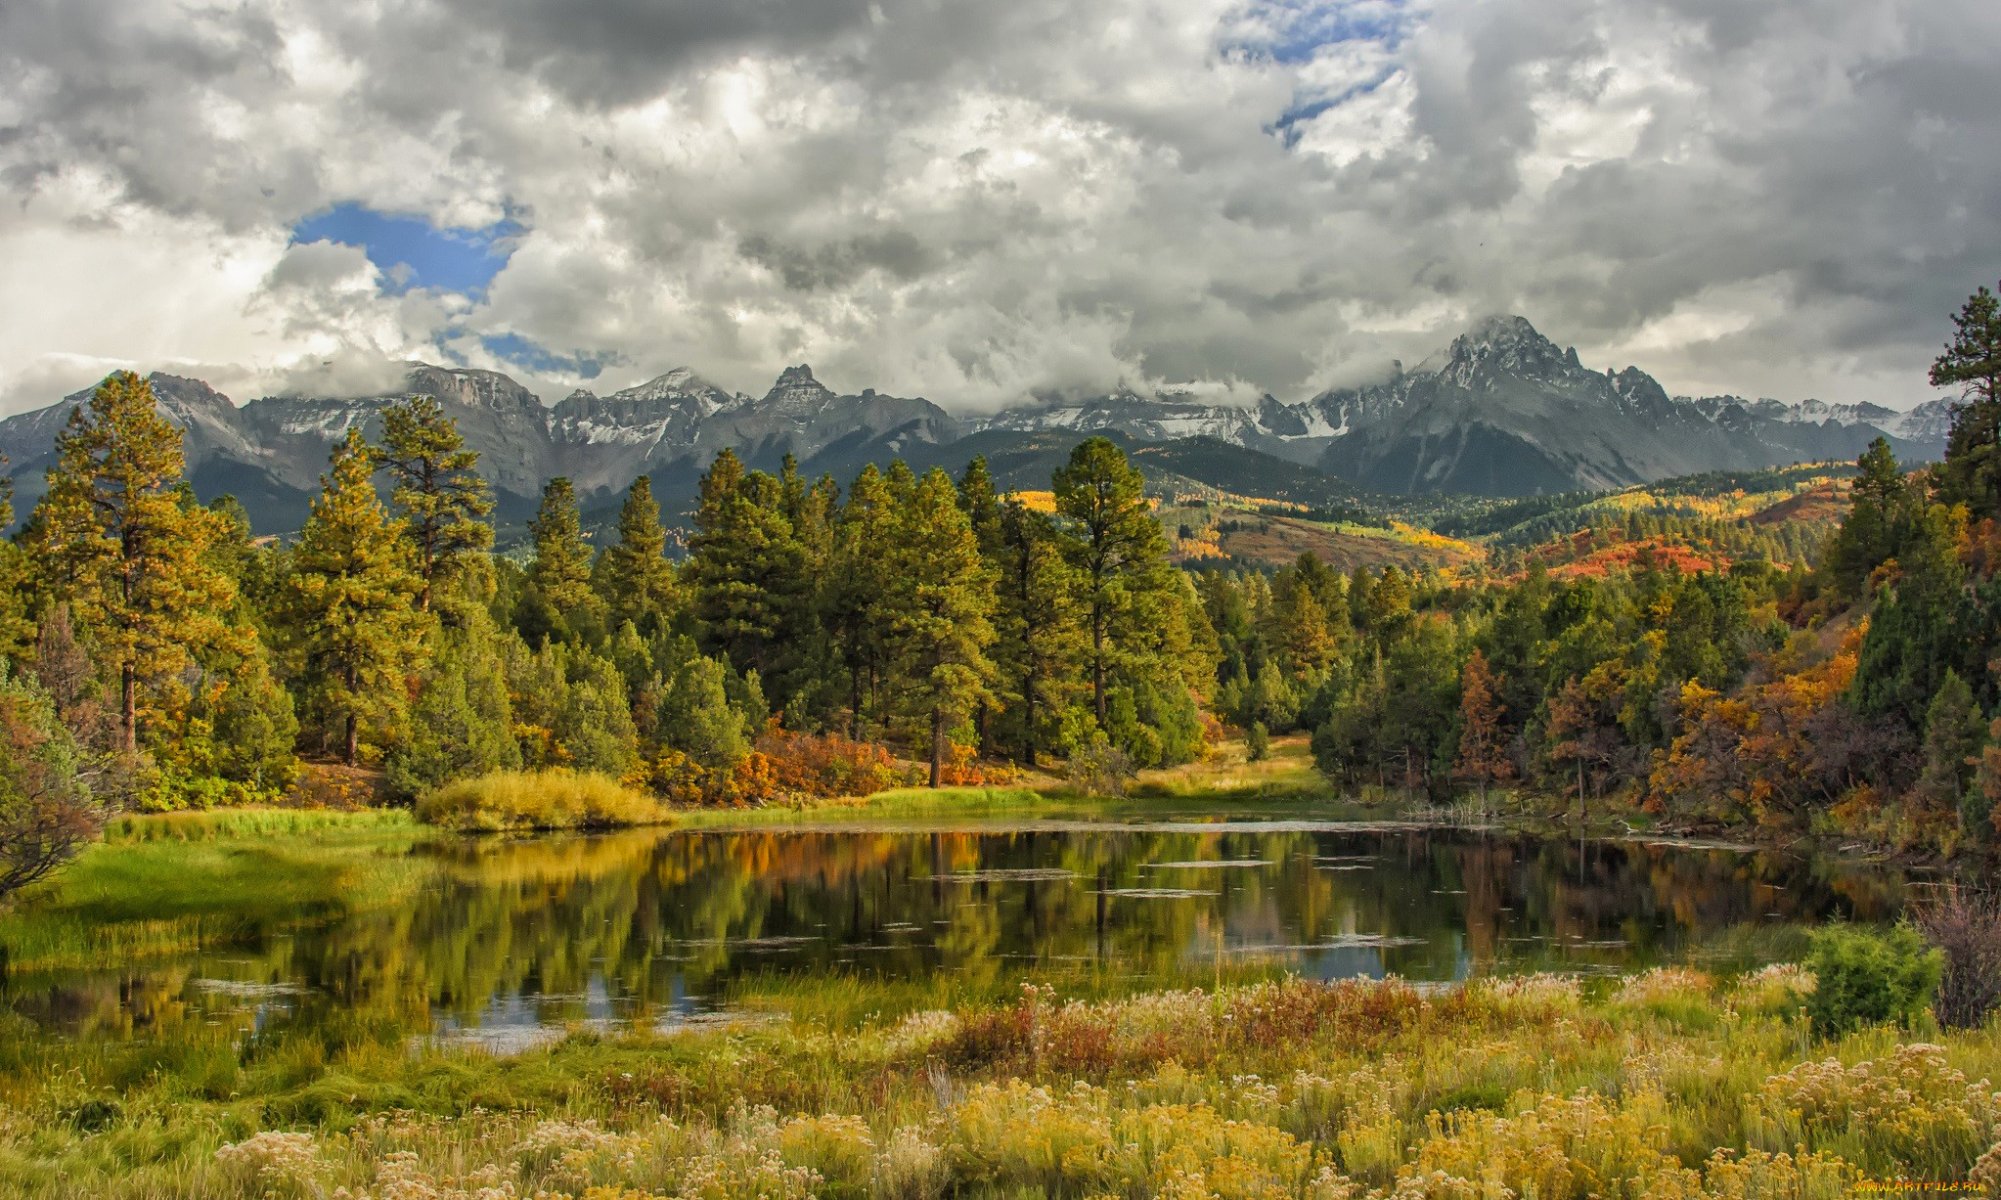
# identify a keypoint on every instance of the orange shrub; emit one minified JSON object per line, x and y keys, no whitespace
{"x":964,"y":769}
{"x":826,"y":764}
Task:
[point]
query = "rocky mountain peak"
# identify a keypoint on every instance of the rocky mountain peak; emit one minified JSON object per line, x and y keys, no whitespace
{"x":1509,"y":344}
{"x":796,"y":387}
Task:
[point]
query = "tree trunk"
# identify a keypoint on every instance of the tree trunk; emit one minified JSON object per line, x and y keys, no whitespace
{"x":1098,"y":663}
{"x":937,"y":743}
{"x":128,"y":709}
{"x":855,"y":704}
{"x":1028,"y":718}
{"x":351,"y":742}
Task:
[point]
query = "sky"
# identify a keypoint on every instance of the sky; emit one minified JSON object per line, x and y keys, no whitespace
{"x":980,"y":202}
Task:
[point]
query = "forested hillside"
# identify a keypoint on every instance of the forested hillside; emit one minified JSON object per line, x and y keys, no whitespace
{"x":1676,"y":654}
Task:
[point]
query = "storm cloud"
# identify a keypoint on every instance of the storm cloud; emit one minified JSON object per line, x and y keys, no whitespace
{"x":979,"y":202}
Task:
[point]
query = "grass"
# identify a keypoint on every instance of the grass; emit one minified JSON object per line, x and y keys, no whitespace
{"x":259,"y":869}
{"x":539,"y":800}
{"x":1671,"y":1084}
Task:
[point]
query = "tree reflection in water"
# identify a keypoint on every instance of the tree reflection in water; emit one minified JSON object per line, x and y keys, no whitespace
{"x":644,"y":925}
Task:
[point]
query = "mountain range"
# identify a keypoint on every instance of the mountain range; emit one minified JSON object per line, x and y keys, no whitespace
{"x":1501,"y":411}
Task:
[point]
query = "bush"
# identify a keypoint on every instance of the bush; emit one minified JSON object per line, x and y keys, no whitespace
{"x":549,"y":799}
{"x":1099,"y":768}
{"x":1967,"y":929}
{"x":1868,"y":978}
{"x":1257,"y":742}
{"x":47,"y":812}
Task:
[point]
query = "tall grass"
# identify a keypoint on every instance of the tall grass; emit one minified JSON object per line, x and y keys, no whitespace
{"x":212,"y":824}
{"x":534,"y":800}
{"x":1287,"y":1089}
{"x":130,"y":896}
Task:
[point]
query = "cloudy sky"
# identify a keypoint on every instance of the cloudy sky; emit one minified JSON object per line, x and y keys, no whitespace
{"x":974,"y":200}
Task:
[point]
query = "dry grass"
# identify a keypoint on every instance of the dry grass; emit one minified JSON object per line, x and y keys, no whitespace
{"x":528,"y":800}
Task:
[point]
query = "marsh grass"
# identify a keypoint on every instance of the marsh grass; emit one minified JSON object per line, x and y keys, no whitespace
{"x":216,"y":824}
{"x":1671,"y":1085}
{"x":539,"y":800}
{"x":259,"y":870}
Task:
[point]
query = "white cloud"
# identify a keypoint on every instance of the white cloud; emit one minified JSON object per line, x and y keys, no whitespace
{"x":977,"y":202}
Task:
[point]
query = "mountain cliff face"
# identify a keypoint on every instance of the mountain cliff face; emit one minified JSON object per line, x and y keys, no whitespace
{"x":1505,"y":411}
{"x":1502,"y":411}
{"x":271,"y":452}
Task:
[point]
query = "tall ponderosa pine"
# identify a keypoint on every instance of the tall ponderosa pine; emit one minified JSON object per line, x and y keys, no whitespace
{"x":561,"y":570}
{"x":437,"y":490}
{"x":855,"y":591}
{"x":1971,"y":472}
{"x":1118,"y":550}
{"x":1037,"y":624}
{"x":942,"y":626}
{"x":747,"y":571}
{"x":638,"y":580}
{"x":353,"y":602}
{"x":125,"y":547}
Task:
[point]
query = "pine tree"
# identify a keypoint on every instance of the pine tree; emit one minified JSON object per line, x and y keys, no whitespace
{"x":1952,"y":736}
{"x":560,"y":572}
{"x":1116,"y":548}
{"x":638,"y":580}
{"x":698,"y":719}
{"x":461,"y":725}
{"x":17,"y":626}
{"x":750,"y":580}
{"x":943,"y":626}
{"x":256,"y":728}
{"x":593,"y":729}
{"x":1883,"y":506}
{"x":1482,"y":753}
{"x":352,"y":601}
{"x":437,"y":490}
{"x":1037,"y":625}
{"x":1971,"y":472}
{"x":122,"y":544}
{"x":855,"y":592}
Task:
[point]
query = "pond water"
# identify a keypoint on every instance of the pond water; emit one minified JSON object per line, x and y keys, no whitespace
{"x":511,"y":941}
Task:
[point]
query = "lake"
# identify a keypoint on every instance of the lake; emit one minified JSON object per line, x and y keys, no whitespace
{"x":512,"y":941}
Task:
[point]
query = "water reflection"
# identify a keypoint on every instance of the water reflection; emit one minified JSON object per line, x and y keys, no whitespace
{"x":518,"y":936}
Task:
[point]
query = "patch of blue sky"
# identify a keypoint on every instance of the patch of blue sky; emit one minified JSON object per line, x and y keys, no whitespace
{"x":411,"y":252}
{"x":1300,"y":113}
{"x":531,"y":355}
{"x":1293,"y":31}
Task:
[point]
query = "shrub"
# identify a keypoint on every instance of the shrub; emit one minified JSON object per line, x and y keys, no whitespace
{"x":1967,"y":929}
{"x":47,"y":811}
{"x":826,"y":765}
{"x":1099,"y":768}
{"x":1867,"y":978}
{"x":1257,"y":742}
{"x":549,"y":799}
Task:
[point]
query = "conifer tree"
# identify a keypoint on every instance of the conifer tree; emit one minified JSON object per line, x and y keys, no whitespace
{"x":1971,"y":471}
{"x":1118,"y":551}
{"x":593,"y":729}
{"x":856,"y":590}
{"x":461,"y":724}
{"x":698,"y":719}
{"x":353,"y":604}
{"x":1038,"y":632}
{"x":437,"y":490}
{"x":1952,"y":736}
{"x":638,"y":580}
{"x":943,"y":627}
{"x":121,"y":543}
{"x":748,"y":574}
{"x":561,"y":570}
{"x":1482,"y":755}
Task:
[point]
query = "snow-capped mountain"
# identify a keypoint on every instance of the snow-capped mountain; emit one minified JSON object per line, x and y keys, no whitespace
{"x":1501,"y":411}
